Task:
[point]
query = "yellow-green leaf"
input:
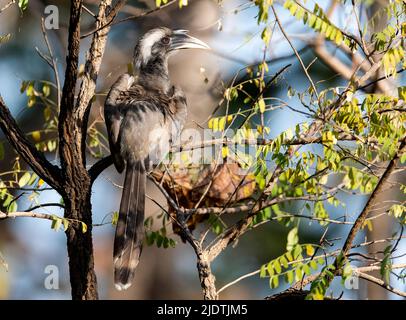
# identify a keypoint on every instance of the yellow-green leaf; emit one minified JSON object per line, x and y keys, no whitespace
{"x":46,"y":90}
{"x":114,"y":218}
{"x":224,"y":151}
{"x":24,"y":179}
{"x":402,"y":93}
{"x":36,"y":135}
{"x":339,"y":38}
{"x":262,"y":105}
{"x":309,"y":250}
{"x":183,"y":3}
{"x":84,"y":227}
{"x":56,"y":223}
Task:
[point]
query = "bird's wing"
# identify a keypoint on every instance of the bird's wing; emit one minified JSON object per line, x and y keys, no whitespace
{"x":113,"y":117}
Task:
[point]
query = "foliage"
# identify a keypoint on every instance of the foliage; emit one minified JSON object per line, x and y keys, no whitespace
{"x":350,"y":130}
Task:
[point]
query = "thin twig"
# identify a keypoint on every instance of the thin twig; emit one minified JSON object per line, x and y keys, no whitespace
{"x":296,"y":53}
{"x":52,"y":62}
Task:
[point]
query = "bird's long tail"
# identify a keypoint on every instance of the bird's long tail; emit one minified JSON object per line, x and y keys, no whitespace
{"x":130,"y":226}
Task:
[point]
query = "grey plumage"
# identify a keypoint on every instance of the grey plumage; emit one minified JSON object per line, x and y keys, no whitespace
{"x":144,"y":113}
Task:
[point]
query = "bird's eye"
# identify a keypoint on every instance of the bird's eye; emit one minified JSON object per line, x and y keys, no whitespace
{"x":165,"y":40}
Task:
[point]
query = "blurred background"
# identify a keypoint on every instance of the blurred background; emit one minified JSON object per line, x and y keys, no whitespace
{"x":230,"y":28}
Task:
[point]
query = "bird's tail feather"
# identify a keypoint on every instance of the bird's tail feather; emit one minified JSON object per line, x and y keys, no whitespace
{"x":130,"y":226}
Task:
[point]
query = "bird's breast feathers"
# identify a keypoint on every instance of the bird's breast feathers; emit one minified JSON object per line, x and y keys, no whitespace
{"x":151,"y":121}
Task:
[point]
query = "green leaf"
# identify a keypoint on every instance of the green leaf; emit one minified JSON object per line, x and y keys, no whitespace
{"x":12,"y":207}
{"x":165,"y":243}
{"x":347,"y":271}
{"x":56,"y":223}
{"x":159,"y":240}
{"x":312,"y":20}
{"x":23,"y":4}
{"x":402,"y":93}
{"x":274,"y":282}
{"x":290,"y":276}
{"x":8,"y":200}
{"x":262,"y":272}
{"x":293,"y":239}
{"x":313,"y":264}
{"x":151,"y":236}
{"x":297,"y":251}
{"x":24,"y":179}
{"x":46,"y":90}
{"x":32,"y":179}
{"x":266,"y":35}
{"x":339,"y":38}
{"x":277,"y":266}
{"x":172,"y":243}
{"x":114,"y":218}
{"x":284,"y":262}
{"x":270,"y":269}
{"x":289,"y":256}
{"x":306,"y":269}
{"x":298,"y":274}
{"x":402,"y":158}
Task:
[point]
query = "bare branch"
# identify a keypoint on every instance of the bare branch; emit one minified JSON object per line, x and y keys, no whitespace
{"x":30,"y":214}
{"x":381,"y":185}
{"x":110,"y":18}
{"x":101,"y":165}
{"x":296,"y":53}
{"x":92,"y":66}
{"x":7,"y":5}
{"x":52,"y":62}
{"x":42,"y":167}
{"x":379,"y":282}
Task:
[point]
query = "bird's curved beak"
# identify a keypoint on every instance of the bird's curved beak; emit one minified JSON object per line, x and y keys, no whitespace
{"x":181,"y":40}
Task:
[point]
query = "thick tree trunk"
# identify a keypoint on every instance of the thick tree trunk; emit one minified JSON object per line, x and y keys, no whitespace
{"x":80,"y":248}
{"x":76,"y":188}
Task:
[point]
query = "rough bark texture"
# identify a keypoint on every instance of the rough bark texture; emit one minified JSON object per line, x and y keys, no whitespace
{"x":207,"y":279}
{"x":41,"y":166}
{"x":76,"y":190}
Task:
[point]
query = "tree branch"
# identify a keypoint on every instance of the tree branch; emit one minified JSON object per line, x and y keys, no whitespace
{"x":29,"y":214}
{"x":7,"y":5}
{"x":114,"y":11}
{"x":93,"y":63}
{"x":52,"y":63}
{"x":296,"y":53}
{"x":359,"y":222}
{"x":101,"y":165}
{"x":98,"y":167}
{"x":380,"y":283}
{"x":35,"y":159}
{"x":382,"y":185}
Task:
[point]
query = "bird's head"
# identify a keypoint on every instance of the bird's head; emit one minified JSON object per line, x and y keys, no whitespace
{"x":158,"y":44}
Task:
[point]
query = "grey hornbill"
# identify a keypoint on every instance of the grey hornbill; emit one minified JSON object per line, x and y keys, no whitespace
{"x":144,"y":112}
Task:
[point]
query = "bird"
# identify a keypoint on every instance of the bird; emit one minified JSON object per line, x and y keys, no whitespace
{"x":144,"y":113}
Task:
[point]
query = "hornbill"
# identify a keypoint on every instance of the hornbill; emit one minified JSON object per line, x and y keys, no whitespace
{"x":144,"y":112}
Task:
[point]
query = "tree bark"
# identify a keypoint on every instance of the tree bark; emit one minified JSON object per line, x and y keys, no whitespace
{"x":207,"y":279}
{"x":79,"y":243}
{"x":76,"y":190}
